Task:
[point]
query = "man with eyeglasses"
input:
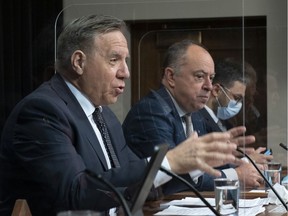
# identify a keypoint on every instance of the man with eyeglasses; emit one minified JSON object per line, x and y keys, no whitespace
{"x":225,"y":102}
{"x":226,"y":97}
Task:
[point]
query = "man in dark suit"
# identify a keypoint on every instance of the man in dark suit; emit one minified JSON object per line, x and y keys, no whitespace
{"x":60,"y":137}
{"x":49,"y":146}
{"x":225,"y":102}
{"x":158,"y":117}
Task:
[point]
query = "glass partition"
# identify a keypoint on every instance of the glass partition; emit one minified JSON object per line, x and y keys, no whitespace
{"x":252,"y":32}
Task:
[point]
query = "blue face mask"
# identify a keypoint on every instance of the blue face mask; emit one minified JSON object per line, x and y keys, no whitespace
{"x":232,"y":109}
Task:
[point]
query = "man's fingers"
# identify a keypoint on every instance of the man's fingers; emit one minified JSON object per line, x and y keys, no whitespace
{"x":234,"y":135}
{"x":248,"y":150}
{"x":223,"y":147}
{"x":210,"y":170}
{"x":260,"y":149}
{"x":215,"y":136}
{"x":218,"y":159}
{"x":237,"y":131}
{"x":239,"y":162}
{"x":243,"y":140}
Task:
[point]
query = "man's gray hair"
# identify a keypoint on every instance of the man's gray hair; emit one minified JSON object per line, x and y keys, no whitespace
{"x":80,"y":35}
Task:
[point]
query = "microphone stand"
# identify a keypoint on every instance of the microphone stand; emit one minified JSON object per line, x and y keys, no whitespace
{"x":191,"y":187}
{"x":267,"y":182}
{"x":112,"y":187}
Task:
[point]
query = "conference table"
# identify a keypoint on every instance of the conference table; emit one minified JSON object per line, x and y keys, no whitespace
{"x":152,"y":207}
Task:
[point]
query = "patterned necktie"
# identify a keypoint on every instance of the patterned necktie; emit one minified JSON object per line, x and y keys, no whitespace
{"x":188,"y":123}
{"x":97,"y":116}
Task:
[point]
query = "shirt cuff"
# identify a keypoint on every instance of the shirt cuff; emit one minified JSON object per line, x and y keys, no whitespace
{"x":195,"y":174}
{"x":230,"y":173}
{"x":161,"y":177}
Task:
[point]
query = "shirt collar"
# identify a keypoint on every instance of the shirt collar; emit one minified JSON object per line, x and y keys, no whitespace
{"x":87,"y":106}
{"x":178,"y":108}
{"x":211,"y":113}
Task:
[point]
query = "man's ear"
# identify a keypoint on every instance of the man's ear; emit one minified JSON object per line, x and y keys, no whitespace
{"x":77,"y":61}
{"x":216,"y":90}
{"x":169,"y":76}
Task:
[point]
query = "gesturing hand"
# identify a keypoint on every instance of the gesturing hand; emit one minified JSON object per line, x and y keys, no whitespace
{"x":208,"y":151}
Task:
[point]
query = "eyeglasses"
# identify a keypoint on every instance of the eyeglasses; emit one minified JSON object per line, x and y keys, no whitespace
{"x":237,"y":98}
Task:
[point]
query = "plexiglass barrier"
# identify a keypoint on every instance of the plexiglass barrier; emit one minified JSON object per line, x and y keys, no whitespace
{"x":251,"y":32}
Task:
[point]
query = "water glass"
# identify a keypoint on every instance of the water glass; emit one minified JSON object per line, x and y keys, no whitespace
{"x":272,"y":172}
{"x":227,"y":194}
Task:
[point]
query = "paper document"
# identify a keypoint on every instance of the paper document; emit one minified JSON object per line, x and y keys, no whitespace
{"x":205,"y":211}
{"x":193,"y":201}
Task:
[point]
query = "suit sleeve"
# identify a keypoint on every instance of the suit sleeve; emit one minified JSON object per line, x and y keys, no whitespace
{"x":145,"y":126}
{"x":44,"y":145}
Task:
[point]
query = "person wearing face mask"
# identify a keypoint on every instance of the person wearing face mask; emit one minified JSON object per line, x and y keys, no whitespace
{"x":225,"y":102}
{"x":233,"y":107}
{"x":164,"y":115}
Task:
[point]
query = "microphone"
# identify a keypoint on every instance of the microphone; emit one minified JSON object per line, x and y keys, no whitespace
{"x":113,"y":188}
{"x":284,"y":146}
{"x":191,"y":187}
{"x":267,"y":182}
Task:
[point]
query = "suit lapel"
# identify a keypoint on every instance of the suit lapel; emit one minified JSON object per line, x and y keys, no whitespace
{"x":170,"y":110}
{"x":79,"y":116}
{"x":210,"y":123}
{"x":198,"y":123}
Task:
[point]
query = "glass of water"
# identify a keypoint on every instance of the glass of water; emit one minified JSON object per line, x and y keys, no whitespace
{"x":227,"y":194}
{"x":272,"y":172}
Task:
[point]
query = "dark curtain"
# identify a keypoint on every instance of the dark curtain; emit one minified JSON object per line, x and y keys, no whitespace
{"x":26,"y":47}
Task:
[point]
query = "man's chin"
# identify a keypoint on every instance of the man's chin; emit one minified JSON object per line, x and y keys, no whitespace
{"x":201,"y":106}
{"x":195,"y":109}
{"x":112,"y":101}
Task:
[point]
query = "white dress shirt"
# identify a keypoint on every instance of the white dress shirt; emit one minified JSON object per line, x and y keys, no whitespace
{"x":89,"y":108}
{"x":229,"y":172}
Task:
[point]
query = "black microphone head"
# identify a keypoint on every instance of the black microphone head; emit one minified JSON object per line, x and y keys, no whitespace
{"x":284,"y":146}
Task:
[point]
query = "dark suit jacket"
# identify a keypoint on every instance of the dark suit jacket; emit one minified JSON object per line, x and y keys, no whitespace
{"x":210,"y":124}
{"x":155,"y":120}
{"x":47,"y":148}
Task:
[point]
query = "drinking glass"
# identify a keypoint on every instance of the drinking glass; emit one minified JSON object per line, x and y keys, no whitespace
{"x":226,"y":196}
{"x":272,"y":172}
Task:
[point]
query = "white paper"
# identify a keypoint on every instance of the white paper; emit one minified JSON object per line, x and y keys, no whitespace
{"x":257,"y":191}
{"x":205,"y":211}
{"x":282,"y":192}
{"x":194,"y":201}
{"x":176,"y":210}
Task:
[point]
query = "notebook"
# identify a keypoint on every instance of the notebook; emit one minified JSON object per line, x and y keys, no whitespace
{"x":147,"y":182}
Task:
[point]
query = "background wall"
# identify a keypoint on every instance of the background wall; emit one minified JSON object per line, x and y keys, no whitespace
{"x":26,"y":55}
{"x":276,"y":12}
